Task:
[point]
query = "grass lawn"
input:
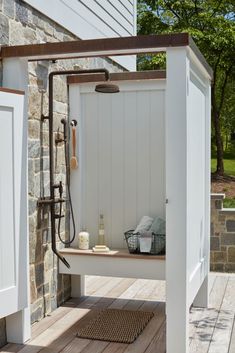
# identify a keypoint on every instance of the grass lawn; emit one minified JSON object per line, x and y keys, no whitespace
{"x":229,"y":166}
{"x":229,"y":203}
{"x":229,"y":169}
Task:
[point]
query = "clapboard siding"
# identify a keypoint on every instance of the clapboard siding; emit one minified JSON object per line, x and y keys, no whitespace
{"x":89,"y":19}
{"x":122,"y":158}
{"x":111,"y":16}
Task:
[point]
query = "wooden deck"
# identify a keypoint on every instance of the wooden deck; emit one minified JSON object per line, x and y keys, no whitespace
{"x":211,"y":330}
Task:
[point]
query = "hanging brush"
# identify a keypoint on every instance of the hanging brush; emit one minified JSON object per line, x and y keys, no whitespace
{"x":73,"y":160}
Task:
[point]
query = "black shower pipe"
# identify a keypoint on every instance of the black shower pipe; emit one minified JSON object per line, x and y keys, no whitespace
{"x":53,"y":186}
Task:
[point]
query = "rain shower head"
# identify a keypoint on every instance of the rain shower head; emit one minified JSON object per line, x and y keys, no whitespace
{"x":107,"y":88}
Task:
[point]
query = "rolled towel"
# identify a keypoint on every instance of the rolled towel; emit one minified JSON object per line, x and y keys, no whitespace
{"x":144,"y":225}
{"x":158,"y":226}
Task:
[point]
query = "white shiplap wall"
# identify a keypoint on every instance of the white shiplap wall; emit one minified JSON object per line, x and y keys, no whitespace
{"x":121,"y":157}
{"x":89,"y":19}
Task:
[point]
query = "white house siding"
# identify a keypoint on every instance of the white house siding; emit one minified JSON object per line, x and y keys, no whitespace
{"x":89,"y":19}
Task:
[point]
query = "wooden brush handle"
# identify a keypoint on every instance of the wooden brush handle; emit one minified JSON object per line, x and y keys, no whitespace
{"x":73,"y":141}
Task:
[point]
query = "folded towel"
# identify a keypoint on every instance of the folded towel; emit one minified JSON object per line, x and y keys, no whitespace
{"x":146,"y":242}
{"x":144,"y":225}
{"x":158,"y":226}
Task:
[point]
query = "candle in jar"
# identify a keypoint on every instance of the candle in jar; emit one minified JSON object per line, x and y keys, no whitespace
{"x":83,"y":240}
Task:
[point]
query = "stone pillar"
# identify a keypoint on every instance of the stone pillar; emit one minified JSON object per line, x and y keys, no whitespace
{"x":222,"y":235}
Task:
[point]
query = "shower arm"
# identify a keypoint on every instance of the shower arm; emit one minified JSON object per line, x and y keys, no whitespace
{"x":53,"y":186}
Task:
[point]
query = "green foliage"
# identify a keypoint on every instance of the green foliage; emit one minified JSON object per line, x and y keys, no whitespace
{"x":229,"y":203}
{"x":212,"y":25}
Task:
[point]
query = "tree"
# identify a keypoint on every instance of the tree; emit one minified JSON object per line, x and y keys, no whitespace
{"x":212,"y":25}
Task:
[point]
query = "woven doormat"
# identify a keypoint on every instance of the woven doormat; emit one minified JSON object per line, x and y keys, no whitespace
{"x":116,"y":325}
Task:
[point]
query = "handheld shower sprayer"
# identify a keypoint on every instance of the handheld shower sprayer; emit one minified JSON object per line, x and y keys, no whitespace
{"x":67,"y":242}
{"x":51,"y":200}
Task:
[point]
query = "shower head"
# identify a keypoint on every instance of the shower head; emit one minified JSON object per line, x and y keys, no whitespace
{"x":107,"y":88}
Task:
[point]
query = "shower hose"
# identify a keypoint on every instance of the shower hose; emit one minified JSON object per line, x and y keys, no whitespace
{"x":66,"y":242}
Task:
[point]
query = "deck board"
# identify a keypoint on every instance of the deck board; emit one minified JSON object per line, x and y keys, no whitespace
{"x":212,"y":330}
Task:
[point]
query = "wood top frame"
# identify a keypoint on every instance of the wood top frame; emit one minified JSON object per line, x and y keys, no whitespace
{"x":13,"y":91}
{"x":119,"y":253}
{"x":118,"y":76}
{"x":105,"y":47}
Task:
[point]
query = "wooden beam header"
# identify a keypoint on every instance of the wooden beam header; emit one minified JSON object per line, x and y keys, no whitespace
{"x":103,"y":47}
{"x":117,"y":76}
{"x":13,"y":91}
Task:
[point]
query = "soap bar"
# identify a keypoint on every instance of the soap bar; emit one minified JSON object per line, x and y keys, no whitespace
{"x":100,"y":248}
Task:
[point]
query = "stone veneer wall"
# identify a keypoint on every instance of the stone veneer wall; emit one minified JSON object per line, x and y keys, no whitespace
{"x":222,"y":236}
{"x":21,"y":24}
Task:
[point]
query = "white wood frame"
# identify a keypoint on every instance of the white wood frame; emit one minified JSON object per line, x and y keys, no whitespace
{"x":113,"y":266}
{"x":179,"y":63}
{"x":15,"y":76}
{"x":184,"y":287}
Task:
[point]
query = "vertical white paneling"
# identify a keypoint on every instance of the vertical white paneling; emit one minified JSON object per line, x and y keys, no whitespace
{"x":121,"y":155}
{"x":130,"y":160}
{"x":16,"y":299}
{"x":196,"y":182}
{"x":143,"y":153}
{"x":91,"y":165}
{"x":117,"y":135}
{"x":7,"y":215}
{"x":157,"y":153}
{"x":104,"y":161}
{"x":75,"y":175}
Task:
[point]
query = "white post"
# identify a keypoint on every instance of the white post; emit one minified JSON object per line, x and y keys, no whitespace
{"x":15,"y":76}
{"x":177,"y":306}
{"x":77,"y":286}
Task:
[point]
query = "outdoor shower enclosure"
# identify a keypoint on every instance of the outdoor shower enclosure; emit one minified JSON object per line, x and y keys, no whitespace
{"x":175,"y":153}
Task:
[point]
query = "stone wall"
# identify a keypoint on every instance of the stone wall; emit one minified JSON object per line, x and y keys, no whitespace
{"x":222,"y":235}
{"x":21,"y":24}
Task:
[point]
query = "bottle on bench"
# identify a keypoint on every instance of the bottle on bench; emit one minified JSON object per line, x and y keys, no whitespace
{"x":101,"y":247}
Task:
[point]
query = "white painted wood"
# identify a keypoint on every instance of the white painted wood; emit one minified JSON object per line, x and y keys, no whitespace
{"x":121,"y":157}
{"x":177,"y":306}
{"x":77,"y":286}
{"x":207,"y":206}
{"x":7,"y":212}
{"x":104,"y":121}
{"x":114,"y":267}
{"x":112,"y":16}
{"x":89,"y":19}
{"x":201,"y":298}
{"x":157,"y":153}
{"x":187,"y":213}
{"x":15,"y":76}
{"x":129,"y":86}
{"x":75,"y":175}
{"x":117,"y":147}
{"x":121,"y":8}
{"x":196,"y":154}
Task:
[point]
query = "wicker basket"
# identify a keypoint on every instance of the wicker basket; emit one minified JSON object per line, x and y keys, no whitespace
{"x":133,"y":243}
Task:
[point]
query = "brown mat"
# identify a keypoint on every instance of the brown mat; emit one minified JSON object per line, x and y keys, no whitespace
{"x":116,"y":325}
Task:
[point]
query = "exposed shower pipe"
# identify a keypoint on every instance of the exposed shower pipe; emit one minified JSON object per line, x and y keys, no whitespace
{"x":52,"y":201}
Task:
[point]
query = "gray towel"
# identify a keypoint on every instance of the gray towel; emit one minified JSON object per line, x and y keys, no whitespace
{"x":144,"y":225}
{"x":158,"y":226}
